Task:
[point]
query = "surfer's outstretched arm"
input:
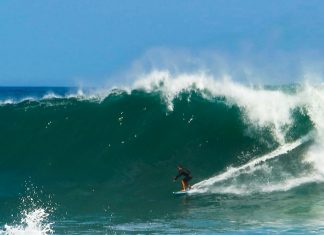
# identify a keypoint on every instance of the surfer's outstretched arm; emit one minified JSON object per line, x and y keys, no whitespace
{"x":176,"y":177}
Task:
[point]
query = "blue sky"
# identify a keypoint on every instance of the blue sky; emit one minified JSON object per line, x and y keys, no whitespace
{"x":63,"y":42}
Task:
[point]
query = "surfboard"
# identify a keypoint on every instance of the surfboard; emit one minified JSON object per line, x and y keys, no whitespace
{"x":181,"y":193}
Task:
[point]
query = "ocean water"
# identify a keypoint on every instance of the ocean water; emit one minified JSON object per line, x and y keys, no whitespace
{"x":101,"y":161}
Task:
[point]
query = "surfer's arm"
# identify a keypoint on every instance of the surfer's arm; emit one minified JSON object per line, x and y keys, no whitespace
{"x":180,"y":174}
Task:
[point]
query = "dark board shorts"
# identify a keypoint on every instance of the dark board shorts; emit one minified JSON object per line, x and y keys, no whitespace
{"x":186,"y":179}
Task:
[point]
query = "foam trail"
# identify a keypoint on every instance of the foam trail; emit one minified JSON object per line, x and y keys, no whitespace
{"x":285,"y":185}
{"x":234,"y":171}
{"x":291,"y":183}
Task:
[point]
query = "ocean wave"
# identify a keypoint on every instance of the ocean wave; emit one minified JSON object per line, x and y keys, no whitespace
{"x":163,"y":119}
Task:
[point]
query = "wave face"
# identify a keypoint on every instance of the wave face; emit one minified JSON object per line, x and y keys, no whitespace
{"x":119,"y":149}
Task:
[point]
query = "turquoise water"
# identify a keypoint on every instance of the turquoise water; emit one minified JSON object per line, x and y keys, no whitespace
{"x":103,"y":163}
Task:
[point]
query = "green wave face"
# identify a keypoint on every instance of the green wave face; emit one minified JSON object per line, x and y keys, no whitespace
{"x":125,"y":148}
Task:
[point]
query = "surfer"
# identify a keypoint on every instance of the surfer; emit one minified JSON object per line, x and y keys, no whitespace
{"x":186,"y":177}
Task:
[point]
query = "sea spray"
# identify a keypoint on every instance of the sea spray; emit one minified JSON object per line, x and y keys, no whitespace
{"x":33,"y":214}
{"x":34,"y":222}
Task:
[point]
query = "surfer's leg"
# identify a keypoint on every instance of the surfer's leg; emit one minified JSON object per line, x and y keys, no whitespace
{"x":184,"y":185}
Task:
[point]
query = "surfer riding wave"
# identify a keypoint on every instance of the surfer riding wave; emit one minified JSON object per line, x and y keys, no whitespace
{"x":186,"y":177}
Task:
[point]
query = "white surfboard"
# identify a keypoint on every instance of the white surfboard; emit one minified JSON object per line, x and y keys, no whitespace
{"x":181,"y":193}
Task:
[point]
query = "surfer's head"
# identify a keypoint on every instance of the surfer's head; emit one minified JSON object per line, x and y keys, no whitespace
{"x":179,"y":166}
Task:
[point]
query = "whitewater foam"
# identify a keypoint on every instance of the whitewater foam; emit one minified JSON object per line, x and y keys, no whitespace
{"x":250,"y":167}
{"x":314,"y":102}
